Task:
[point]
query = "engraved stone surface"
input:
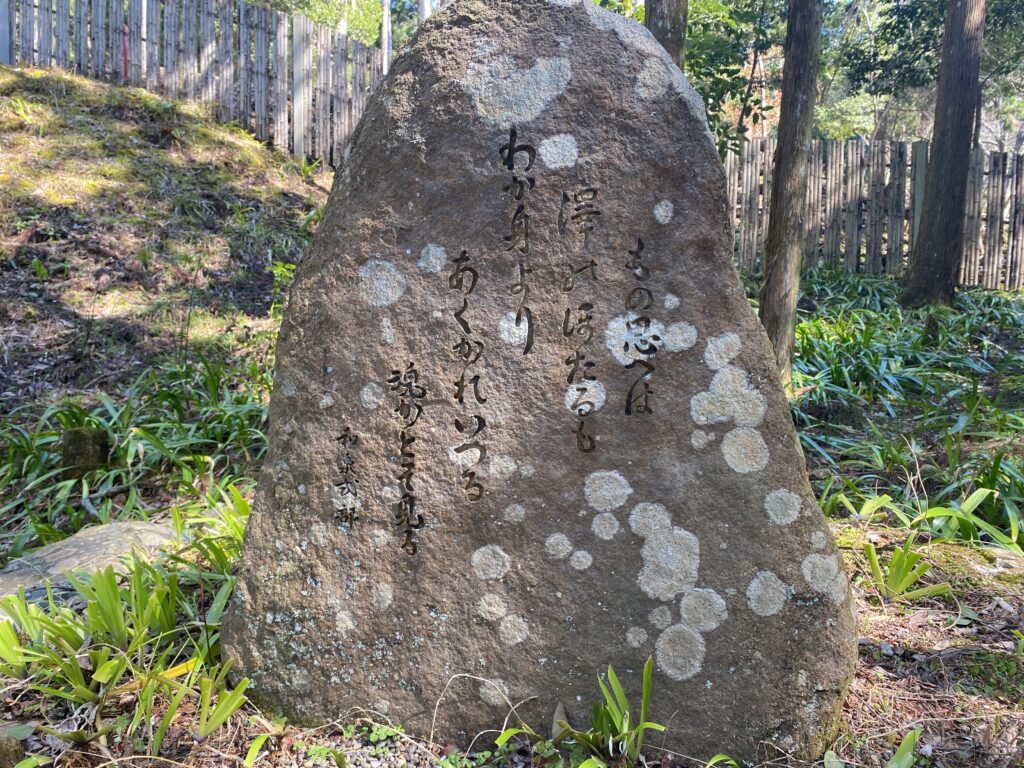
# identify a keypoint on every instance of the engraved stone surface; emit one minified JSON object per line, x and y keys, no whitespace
{"x":525,"y":423}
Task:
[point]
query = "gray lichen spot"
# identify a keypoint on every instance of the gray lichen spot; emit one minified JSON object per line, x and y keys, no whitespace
{"x":721,"y":350}
{"x":730,"y":397}
{"x":381,"y":283}
{"x":513,"y":630}
{"x":506,"y":95}
{"x":558,"y":546}
{"x":745,"y":450}
{"x":605,"y":526}
{"x":563,"y":3}
{"x":663,"y":212}
{"x":824,"y":574}
{"x":581,"y":560}
{"x":679,"y":652}
{"x":635,"y":637}
{"x":514,"y":513}
{"x":606,"y":490}
{"x":818,"y":540}
{"x":510,"y":332}
{"x":702,"y":609}
{"x":671,"y":555}
{"x":701,"y":439}
{"x":491,"y":607}
{"x":372,"y":395}
{"x":767,"y":594}
{"x":490,"y":562}
{"x":680,"y":336}
{"x":344,"y":623}
{"x":624,"y":337}
{"x":660,"y":617}
{"x":558,"y":152}
{"x":671,"y":301}
{"x":382,"y":595}
{"x":494,"y":693}
{"x":783,"y":506}
{"x":432,"y":258}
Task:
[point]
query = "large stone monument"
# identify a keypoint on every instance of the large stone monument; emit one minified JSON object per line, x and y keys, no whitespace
{"x":525,"y":424}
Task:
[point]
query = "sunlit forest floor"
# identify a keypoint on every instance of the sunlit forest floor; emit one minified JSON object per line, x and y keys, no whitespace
{"x":144,"y":256}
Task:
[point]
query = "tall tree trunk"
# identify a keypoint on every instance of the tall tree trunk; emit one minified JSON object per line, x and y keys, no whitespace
{"x":783,"y":242}
{"x":936,"y":256}
{"x":667,"y":21}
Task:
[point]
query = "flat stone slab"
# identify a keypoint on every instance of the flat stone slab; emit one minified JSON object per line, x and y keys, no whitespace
{"x":525,"y":423}
{"x":89,"y":550}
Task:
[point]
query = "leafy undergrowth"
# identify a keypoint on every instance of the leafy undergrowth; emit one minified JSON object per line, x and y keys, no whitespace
{"x":139,"y":299}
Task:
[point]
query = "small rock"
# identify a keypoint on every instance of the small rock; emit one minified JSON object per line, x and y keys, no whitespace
{"x":12,"y":751}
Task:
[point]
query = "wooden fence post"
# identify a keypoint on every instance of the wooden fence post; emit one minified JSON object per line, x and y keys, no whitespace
{"x":918,"y":170}
{"x":301,"y":86}
{"x":7,"y":31}
{"x":44,"y":32}
{"x":261,"y":74}
{"x":62,"y":50}
{"x":280,"y":81}
{"x":98,"y":35}
{"x":152,"y":45}
{"x":27,"y":35}
{"x":172,"y":79}
{"x":81,"y":34}
{"x":897,"y":207}
{"x":245,"y":19}
{"x":1015,"y":252}
{"x":136,"y":27}
{"x":226,"y":60}
{"x":853,"y":196}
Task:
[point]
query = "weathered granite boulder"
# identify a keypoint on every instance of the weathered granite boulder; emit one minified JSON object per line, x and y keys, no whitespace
{"x":89,"y":550}
{"x":525,"y":423}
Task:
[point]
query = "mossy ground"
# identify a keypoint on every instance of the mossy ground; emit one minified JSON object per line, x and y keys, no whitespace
{"x":135,"y":231}
{"x":132,"y":229}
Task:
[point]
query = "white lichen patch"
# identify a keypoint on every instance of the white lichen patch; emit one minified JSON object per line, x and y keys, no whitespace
{"x":680,"y":336}
{"x":606,"y":490}
{"x":501,"y":467}
{"x":783,"y":506}
{"x":491,"y":607}
{"x":490,"y":562}
{"x":464,"y":459}
{"x":378,"y":538}
{"x":679,"y":652}
{"x":563,"y":3}
{"x":326,"y":401}
{"x":344,"y":623}
{"x":635,"y":637}
{"x":721,"y":350}
{"x":514,"y":513}
{"x":818,"y":540}
{"x":558,"y":152}
{"x":626,"y":338}
{"x":581,"y":560}
{"x":494,"y":693}
{"x":387,"y":331}
{"x":513,"y":630}
{"x":671,"y":301}
{"x":663,"y":212}
{"x":745,"y":450}
{"x":382,"y":595}
{"x":558,"y":546}
{"x":660,"y":617}
{"x":585,"y":397}
{"x":372,"y":395}
{"x":670,"y":555}
{"x":824,"y":574}
{"x":702,"y":610}
{"x":648,"y":518}
{"x":730,"y":397}
{"x":381,"y":283}
{"x":504,"y":94}
{"x":604,"y":526}
{"x":511,"y":333}
{"x":433,"y":258}
{"x":767,"y":594}
{"x":390,"y":494}
{"x":701,"y":439}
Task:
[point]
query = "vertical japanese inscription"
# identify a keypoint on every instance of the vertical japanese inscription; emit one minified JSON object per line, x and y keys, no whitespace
{"x":641,"y":339}
{"x":405,"y":384}
{"x":579,"y":210}
{"x":346,"y":491}
{"x":469,"y":350}
{"x":518,"y":238}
